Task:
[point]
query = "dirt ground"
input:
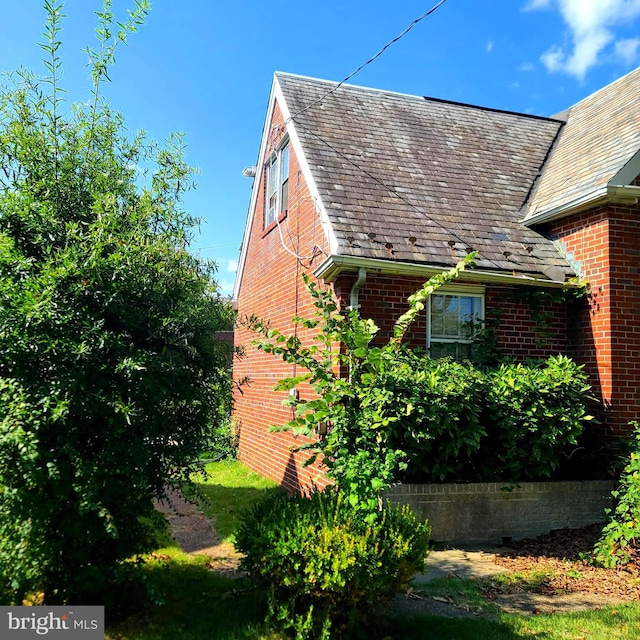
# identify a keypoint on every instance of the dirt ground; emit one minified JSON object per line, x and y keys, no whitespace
{"x":568,"y":578}
{"x":564,"y":583}
{"x":194,"y":534}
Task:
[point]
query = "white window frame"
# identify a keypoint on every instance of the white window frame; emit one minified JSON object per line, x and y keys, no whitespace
{"x":461,"y":291}
{"x":276,"y":184}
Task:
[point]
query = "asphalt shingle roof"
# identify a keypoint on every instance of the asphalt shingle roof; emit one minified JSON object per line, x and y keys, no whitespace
{"x":421,"y":180}
{"x":601,"y":135}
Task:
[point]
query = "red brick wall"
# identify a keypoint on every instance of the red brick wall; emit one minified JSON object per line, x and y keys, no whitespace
{"x":272,"y":289}
{"x":606,"y":242}
{"x":384,"y":299}
{"x":624,"y":235}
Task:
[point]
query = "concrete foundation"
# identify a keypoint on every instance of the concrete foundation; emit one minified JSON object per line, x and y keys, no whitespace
{"x":493,"y":513}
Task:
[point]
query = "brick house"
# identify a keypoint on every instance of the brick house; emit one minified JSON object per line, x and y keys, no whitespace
{"x":372,"y":192}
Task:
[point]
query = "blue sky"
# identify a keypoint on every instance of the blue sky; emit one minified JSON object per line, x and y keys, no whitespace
{"x":205,"y":68}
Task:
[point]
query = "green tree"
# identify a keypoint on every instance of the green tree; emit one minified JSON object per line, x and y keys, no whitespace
{"x":110,"y":373}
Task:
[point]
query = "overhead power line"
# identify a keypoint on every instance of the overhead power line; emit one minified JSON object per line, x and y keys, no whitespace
{"x":216,"y":246}
{"x":368,"y":62}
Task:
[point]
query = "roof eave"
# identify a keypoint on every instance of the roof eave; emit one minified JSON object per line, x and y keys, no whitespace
{"x":616,"y":194}
{"x":334,"y":265}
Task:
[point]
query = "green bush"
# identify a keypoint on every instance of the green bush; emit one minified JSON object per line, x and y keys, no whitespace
{"x":532,"y":414}
{"x":20,"y":556}
{"x":110,"y":374}
{"x":623,"y":529}
{"x":453,"y":422}
{"x":325,"y":567}
{"x":437,"y":404}
{"x":223,"y":443}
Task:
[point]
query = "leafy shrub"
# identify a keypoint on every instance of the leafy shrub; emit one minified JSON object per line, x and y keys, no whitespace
{"x":453,"y":422}
{"x":19,"y":556}
{"x":437,"y":404}
{"x":109,"y":366}
{"x":223,"y":443}
{"x":623,"y":529}
{"x":532,"y":414}
{"x":325,"y":567}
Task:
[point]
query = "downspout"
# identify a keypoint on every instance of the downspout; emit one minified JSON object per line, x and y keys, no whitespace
{"x":357,"y":285}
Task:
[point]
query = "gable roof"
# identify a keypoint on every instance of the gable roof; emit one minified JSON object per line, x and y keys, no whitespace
{"x":411,"y":179}
{"x":597,"y":151}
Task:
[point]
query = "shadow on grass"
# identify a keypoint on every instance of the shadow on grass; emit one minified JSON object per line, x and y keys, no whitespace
{"x":195,"y":603}
{"x":186,"y":600}
{"x":436,"y":628}
{"x":189,"y":601}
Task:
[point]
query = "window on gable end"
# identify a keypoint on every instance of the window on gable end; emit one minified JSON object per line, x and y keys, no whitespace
{"x":453,"y":318}
{"x":277,"y":184}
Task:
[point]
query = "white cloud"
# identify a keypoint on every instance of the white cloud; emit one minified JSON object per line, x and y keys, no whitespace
{"x":537,"y":4}
{"x":232,"y":266}
{"x":628,"y":50}
{"x":591,"y":23}
{"x":527,"y":66}
{"x":225,"y":287}
{"x":489,"y":46}
{"x":553,"y":59}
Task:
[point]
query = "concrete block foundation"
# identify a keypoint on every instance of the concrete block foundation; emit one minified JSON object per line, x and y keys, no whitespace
{"x":494,"y":513}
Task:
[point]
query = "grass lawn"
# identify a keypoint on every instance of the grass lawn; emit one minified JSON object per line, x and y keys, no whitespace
{"x":192,"y":602}
{"x":226,"y":489}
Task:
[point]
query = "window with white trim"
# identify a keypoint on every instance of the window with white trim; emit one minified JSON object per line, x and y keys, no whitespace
{"x":452,"y":320}
{"x":277,"y":184}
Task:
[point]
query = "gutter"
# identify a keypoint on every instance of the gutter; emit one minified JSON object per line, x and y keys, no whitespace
{"x":618,"y":194}
{"x":335,"y":264}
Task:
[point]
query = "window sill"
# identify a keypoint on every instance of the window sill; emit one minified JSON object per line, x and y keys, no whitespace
{"x":274,"y":224}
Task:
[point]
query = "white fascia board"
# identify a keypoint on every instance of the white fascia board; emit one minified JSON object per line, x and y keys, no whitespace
{"x":620,"y":194}
{"x":630,"y":171}
{"x":254,"y":192}
{"x":334,"y":265}
{"x":599,"y":196}
{"x":294,"y":140}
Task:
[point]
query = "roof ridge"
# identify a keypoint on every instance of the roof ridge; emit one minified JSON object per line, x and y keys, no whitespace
{"x":347,"y":85}
{"x":493,"y":109}
{"x":417,"y":97}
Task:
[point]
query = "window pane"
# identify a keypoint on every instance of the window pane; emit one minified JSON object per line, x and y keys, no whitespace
{"x":452,"y":323}
{"x":452,"y":316}
{"x":272,"y":176}
{"x":466,"y":309}
{"x":271,"y":187}
{"x":437,"y":317}
{"x":284,"y":164}
{"x":455,"y":350}
{"x":442,"y":350}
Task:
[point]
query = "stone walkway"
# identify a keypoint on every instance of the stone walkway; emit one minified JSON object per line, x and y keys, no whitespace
{"x":194,"y":533}
{"x":456,"y":563}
